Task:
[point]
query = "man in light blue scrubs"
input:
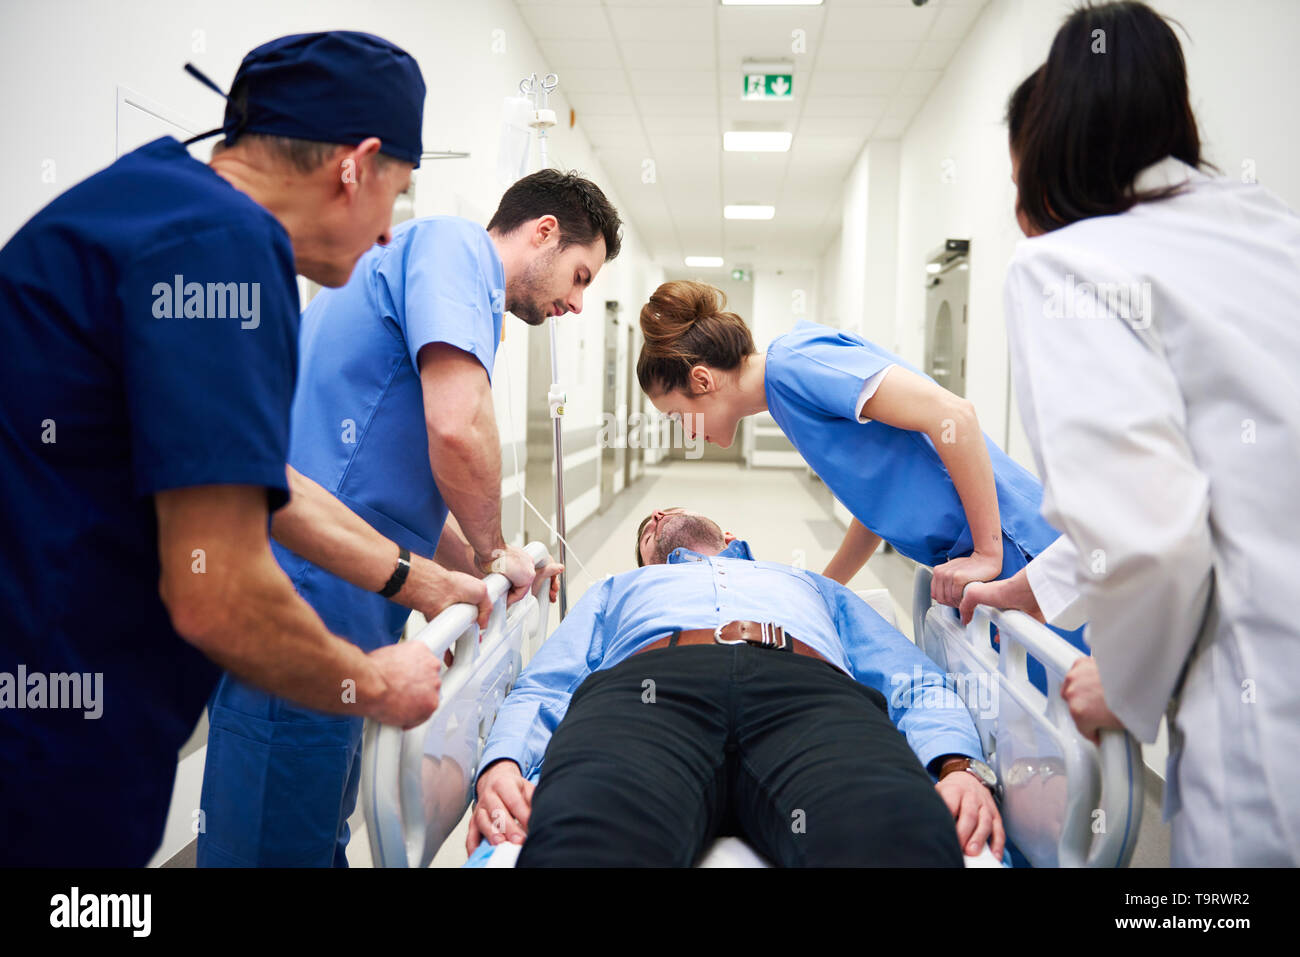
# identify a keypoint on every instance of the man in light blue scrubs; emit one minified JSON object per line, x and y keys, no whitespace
{"x":393,"y":415}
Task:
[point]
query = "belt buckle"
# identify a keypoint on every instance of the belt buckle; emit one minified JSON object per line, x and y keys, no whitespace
{"x":719,"y":640}
{"x":770,"y":636}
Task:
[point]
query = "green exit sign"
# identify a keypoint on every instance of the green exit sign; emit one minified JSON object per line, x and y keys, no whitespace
{"x":767,"y":86}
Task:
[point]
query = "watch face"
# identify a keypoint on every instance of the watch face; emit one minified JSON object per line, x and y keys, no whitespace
{"x":983,"y":772}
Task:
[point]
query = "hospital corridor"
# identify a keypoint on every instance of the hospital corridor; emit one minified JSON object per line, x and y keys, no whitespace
{"x":701,"y":434}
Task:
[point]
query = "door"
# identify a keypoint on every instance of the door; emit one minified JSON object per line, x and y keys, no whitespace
{"x":612,"y":452}
{"x":947,"y":292}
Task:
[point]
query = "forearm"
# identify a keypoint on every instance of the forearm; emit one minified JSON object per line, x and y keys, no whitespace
{"x":320,"y":528}
{"x":454,"y":552}
{"x":1052,"y":580}
{"x":239,"y":609}
{"x":467,"y":467}
{"x":273,"y":639}
{"x":856,"y":550}
{"x":960,"y":444}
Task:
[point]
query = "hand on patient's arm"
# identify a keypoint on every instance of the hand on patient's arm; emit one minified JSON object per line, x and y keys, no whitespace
{"x":859,"y":544}
{"x":910,"y":401}
{"x":975,"y":812}
{"x":1082,"y":691}
{"x":505,"y":799}
{"x":1013,"y":592}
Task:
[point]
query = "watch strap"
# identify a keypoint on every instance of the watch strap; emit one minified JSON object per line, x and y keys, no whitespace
{"x":953,"y":764}
{"x":398,"y":578}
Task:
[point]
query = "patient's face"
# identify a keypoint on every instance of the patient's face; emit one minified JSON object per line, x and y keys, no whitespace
{"x":666,"y":529}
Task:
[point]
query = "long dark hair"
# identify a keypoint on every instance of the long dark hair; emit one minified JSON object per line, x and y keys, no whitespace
{"x":1110,"y":101}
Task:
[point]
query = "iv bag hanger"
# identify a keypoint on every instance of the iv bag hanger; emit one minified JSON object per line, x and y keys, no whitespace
{"x":538,"y":92}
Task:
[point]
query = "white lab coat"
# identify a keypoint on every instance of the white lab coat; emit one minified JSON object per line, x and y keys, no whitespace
{"x":1166,"y":426}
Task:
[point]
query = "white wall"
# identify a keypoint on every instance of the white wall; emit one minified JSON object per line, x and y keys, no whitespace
{"x":828,"y":282}
{"x":955,"y":173}
{"x":782,"y":298}
{"x":859,"y":268}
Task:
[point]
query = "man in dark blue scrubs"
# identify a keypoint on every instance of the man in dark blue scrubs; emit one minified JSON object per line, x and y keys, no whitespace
{"x":150,"y":319}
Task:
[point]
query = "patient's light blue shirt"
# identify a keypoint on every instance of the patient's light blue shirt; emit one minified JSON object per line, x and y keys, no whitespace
{"x":625,"y":612}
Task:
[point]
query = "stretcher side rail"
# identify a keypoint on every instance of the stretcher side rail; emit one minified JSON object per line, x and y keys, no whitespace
{"x":411,"y":796}
{"x":1090,"y":815}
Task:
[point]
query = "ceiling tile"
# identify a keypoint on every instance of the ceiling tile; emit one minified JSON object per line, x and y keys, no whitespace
{"x":584,"y":54}
{"x":605,"y":104}
{"x":843,"y":54}
{"x":699,"y":145}
{"x":890,"y":129}
{"x":682,"y":124}
{"x":755,"y":115}
{"x":854,"y":82}
{"x":919,"y":82}
{"x":658,"y":25}
{"x":904,"y":107}
{"x":677,"y":105}
{"x":593,"y":81}
{"x":697,"y":82}
{"x":955,"y":20}
{"x":849,"y":106}
{"x":936,"y":53}
{"x":880,"y":23}
{"x":856,"y":125}
{"x":687,"y":53}
{"x":570,"y":21}
{"x":609,"y":124}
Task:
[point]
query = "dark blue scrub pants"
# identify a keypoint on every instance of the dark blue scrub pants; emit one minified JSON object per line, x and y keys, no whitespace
{"x":785,"y":751}
{"x":289,"y":780}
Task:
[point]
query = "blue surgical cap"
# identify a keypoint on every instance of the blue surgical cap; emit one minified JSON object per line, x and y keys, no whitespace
{"x":335,"y":87}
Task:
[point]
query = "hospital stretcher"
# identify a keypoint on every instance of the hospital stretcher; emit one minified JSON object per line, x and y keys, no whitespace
{"x":1065,"y":802}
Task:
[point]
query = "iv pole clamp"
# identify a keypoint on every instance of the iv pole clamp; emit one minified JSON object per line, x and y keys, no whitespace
{"x":542,"y":119}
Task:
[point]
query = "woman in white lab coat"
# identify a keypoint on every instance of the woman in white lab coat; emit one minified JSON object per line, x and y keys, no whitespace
{"x":1155,"y":345}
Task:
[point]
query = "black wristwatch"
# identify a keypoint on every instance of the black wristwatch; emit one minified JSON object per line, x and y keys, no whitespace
{"x":398,"y":578}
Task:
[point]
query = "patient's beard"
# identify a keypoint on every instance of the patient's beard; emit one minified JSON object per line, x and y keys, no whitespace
{"x":687,"y":531}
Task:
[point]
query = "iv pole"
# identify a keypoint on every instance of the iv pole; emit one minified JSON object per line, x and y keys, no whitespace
{"x":541,"y":120}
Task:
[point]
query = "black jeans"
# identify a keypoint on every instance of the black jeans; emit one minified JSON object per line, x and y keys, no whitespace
{"x":671,"y":748}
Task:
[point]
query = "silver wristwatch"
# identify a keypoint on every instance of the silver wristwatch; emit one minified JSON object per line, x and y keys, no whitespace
{"x":984,"y":773}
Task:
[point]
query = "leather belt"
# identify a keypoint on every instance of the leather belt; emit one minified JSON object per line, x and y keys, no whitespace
{"x":762,"y":634}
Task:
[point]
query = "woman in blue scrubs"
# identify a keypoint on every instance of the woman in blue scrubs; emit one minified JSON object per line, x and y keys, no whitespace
{"x":904,"y":455}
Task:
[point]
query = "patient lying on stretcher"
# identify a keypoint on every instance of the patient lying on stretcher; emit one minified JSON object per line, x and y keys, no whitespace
{"x":708,"y":694}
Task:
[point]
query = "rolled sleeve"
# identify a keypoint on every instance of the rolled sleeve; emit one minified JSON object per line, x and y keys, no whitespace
{"x":443,"y":282}
{"x":830,"y":371}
